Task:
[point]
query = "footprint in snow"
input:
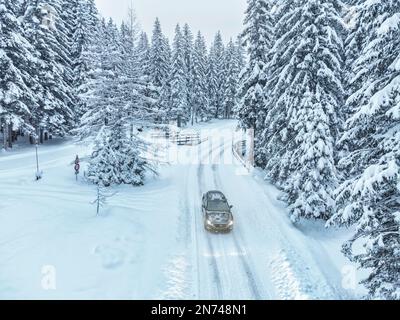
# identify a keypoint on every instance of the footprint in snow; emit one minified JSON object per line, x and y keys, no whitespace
{"x":111,"y":258}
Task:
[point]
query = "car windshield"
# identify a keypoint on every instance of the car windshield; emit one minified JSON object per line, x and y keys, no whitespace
{"x":217,"y":205}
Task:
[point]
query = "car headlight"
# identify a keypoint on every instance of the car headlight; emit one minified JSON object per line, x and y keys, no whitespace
{"x":209,"y":222}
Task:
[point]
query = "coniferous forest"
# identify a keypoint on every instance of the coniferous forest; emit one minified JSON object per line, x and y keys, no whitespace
{"x":317,"y":80}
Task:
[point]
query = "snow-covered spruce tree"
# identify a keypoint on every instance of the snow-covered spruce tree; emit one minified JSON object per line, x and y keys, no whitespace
{"x":140,"y":95}
{"x":82,"y":52}
{"x":115,"y":105}
{"x":65,"y":23}
{"x":370,"y":196}
{"x":178,"y":108}
{"x":44,"y":28}
{"x":117,"y":159}
{"x":199,"y":74}
{"x":240,"y":55}
{"x":216,"y":76}
{"x":115,"y":84}
{"x":159,"y":56}
{"x":68,"y":16}
{"x":143,"y":52}
{"x":160,"y":66}
{"x":188,"y":47}
{"x":17,"y":65}
{"x":304,"y":94}
{"x":149,"y":92}
{"x":258,"y":39}
{"x":104,"y":91}
{"x":232,"y":72}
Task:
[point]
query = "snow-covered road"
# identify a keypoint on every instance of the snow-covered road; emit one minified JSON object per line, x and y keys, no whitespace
{"x":265,"y":257}
{"x":150,"y":242}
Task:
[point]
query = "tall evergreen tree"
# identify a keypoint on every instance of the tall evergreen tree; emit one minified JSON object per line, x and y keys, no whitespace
{"x":45,"y":29}
{"x":150,"y":94}
{"x":369,"y":197}
{"x":143,"y":52}
{"x":232,"y":72}
{"x":240,"y":55}
{"x":115,"y":103}
{"x":103,"y":96}
{"x":216,"y":76}
{"x":160,"y":67}
{"x":258,"y":38}
{"x":69,"y":16}
{"x":83,"y":51}
{"x":17,"y":67}
{"x":179,"y":107}
{"x":200,"y":102}
{"x":304,"y":94}
{"x":188,"y":43}
{"x":159,"y":56}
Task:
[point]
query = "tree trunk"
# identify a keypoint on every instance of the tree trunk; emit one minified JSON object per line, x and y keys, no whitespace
{"x":9,"y":136}
{"x":5,"y":131}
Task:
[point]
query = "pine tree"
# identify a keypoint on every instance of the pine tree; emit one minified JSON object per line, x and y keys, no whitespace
{"x":187,"y":44}
{"x":64,"y":24}
{"x":116,"y":85}
{"x":17,"y":66}
{"x":179,"y":107}
{"x":258,"y":38}
{"x":305,"y":93}
{"x":115,"y":102}
{"x":159,"y":56}
{"x":83,"y":51}
{"x":144,"y":55}
{"x":117,"y":159}
{"x":200,"y":103}
{"x":240,"y":56}
{"x":216,"y":76}
{"x":150,"y":93}
{"x":104,"y":92}
{"x":138,"y":91}
{"x":69,"y":17}
{"x":232,"y":72}
{"x":44,"y":28}
{"x":369,"y":197}
{"x":160,"y":68}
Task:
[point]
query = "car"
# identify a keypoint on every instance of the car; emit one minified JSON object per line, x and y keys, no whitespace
{"x":217,"y":213}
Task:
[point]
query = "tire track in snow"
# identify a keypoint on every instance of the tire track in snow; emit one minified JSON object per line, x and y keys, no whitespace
{"x":193,"y":234}
{"x":214,"y":264}
{"x":292,"y":274}
{"x":179,"y":277}
{"x":250,"y":275}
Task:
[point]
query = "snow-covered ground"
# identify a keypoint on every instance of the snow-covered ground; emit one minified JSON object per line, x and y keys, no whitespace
{"x":149,"y":242}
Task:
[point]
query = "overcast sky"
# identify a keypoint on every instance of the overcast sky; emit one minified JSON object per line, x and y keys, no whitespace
{"x":208,"y":16}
